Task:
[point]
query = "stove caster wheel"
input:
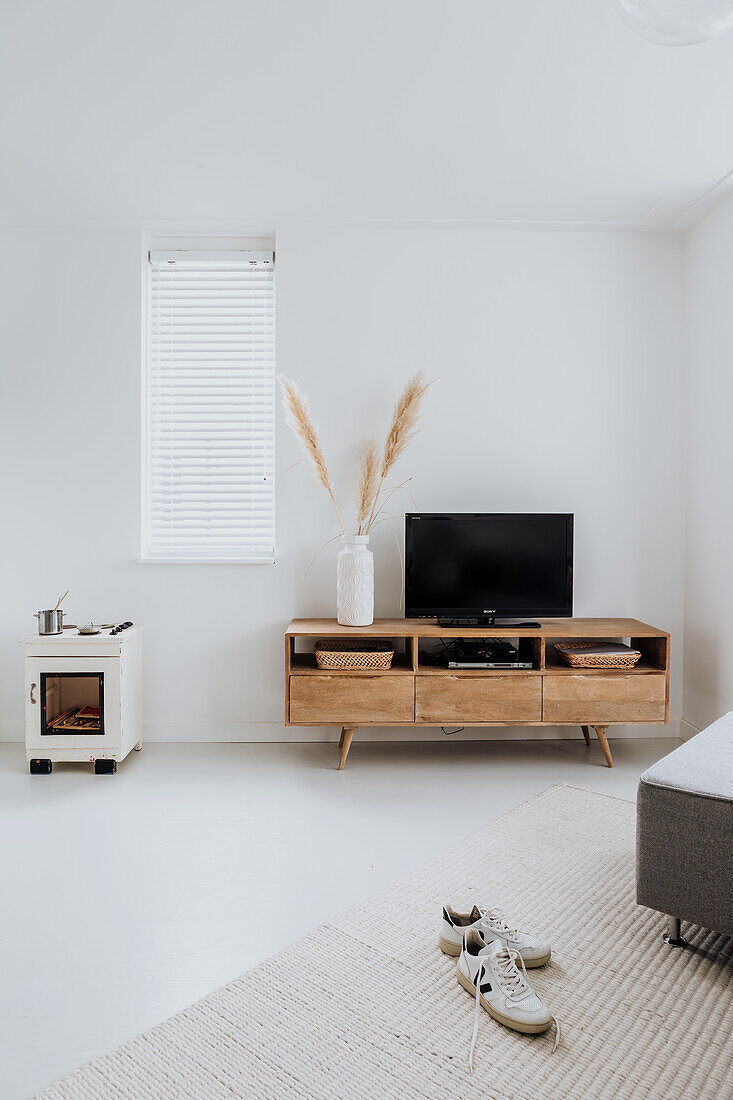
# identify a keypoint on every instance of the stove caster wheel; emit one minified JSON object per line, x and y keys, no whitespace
{"x":40,"y":767}
{"x":105,"y":767}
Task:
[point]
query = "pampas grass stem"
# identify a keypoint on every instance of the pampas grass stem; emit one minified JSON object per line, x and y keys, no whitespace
{"x":299,"y":420}
{"x":390,"y":494}
{"x":368,"y":480}
{"x":401,"y":430}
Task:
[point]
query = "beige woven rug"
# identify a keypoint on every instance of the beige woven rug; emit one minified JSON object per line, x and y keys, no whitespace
{"x":367,"y":1006}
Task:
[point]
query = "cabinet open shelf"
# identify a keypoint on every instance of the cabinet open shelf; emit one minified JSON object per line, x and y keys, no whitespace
{"x":437,"y":670}
{"x":555,"y":667}
{"x":641,"y":669}
{"x":304,"y":664}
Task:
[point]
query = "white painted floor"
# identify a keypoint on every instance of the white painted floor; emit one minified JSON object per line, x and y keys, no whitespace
{"x":126,"y":897}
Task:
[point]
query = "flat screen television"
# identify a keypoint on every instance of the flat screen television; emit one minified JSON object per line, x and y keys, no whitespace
{"x":484,"y":566}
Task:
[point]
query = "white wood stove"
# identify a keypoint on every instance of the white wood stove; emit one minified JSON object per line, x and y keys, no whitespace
{"x":83,"y":698}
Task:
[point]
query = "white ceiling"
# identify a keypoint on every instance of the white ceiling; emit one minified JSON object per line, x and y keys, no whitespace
{"x":274,"y":112}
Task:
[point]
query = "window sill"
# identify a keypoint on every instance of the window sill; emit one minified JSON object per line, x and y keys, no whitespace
{"x":206,"y":561}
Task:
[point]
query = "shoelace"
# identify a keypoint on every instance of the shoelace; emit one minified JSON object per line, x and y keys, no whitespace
{"x":511,"y":980}
{"x":495,"y":919}
{"x":512,"y":983}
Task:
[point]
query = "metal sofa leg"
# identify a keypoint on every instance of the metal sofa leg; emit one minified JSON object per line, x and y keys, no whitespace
{"x":673,"y":936}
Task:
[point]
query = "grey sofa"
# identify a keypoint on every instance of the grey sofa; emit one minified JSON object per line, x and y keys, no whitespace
{"x":684,"y":833}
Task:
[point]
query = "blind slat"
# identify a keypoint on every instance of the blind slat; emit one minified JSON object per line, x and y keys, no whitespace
{"x":210,"y":410}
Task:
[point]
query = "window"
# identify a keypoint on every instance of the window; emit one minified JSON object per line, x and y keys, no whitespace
{"x":209,"y":407}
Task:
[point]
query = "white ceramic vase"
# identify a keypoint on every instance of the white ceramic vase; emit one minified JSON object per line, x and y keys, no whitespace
{"x":355,"y":582}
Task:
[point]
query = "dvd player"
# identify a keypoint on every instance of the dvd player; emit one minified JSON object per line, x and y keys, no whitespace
{"x":490,"y":664}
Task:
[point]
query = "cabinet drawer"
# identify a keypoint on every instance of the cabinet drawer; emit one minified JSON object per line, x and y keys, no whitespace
{"x":352,"y":700}
{"x":467,"y":699}
{"x":605,"y":699}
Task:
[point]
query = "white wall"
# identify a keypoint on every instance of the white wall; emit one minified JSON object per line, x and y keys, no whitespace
{"x":708,"y":674}
{"x":557,"y":359}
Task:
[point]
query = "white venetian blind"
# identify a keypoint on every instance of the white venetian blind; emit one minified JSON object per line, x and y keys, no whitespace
{"x":210,"y":407}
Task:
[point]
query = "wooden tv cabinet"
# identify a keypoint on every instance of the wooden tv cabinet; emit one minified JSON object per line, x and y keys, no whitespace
{"x":415,"y":693}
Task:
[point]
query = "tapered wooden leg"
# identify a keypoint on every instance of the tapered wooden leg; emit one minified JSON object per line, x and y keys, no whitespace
{"x":603,"y":740}
{"x":345,"y":744}
{"x":586,"y":734}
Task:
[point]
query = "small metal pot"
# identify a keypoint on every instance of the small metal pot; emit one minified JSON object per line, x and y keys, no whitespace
{"x":50,"y":622}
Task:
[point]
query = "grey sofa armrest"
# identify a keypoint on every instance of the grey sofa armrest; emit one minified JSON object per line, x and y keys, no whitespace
{"x":684,"y":831}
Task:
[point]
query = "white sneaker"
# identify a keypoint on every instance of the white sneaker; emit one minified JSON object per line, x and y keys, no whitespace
{"x":490,"y":924}
{"x":489,"y":972}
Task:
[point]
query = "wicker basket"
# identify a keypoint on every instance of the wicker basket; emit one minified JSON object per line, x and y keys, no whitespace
{"x":597,"y":654}
{"x":346,"y":654}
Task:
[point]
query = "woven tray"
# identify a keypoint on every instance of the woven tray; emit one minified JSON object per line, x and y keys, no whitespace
{"x":347,"y":654}
{"x":597,"y":655}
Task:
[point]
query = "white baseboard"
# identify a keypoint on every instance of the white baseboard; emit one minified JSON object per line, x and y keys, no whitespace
{"x":187,"y":732}
{"x":687,"y":730}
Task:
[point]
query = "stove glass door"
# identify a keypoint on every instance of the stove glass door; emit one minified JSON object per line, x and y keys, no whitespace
{"x":72,"y":703}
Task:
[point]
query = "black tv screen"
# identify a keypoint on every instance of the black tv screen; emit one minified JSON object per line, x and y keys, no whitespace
{"x":482,"y":564}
